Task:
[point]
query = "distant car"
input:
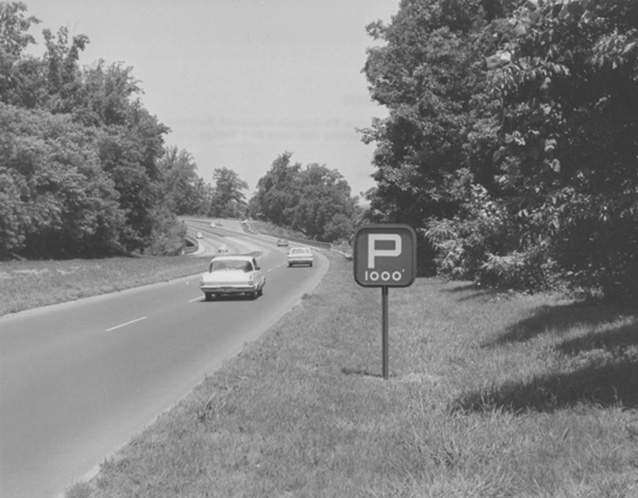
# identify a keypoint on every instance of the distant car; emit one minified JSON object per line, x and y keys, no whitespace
{"x":199,"y":235}
{"x":282,"y":243}
{"x":232,"y":274}
{"x":222,"y":249}
{"x":300,"y":256}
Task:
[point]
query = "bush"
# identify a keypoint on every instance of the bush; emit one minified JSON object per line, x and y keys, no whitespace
{"x":167,"y":238}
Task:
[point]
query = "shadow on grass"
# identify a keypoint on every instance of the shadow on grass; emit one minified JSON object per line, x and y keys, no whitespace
{"x":560,"y":318}
{"x":606,"y":386}
{"x":606,"y":374}
{"x":610,"y":340}
{"x":473,"y":291}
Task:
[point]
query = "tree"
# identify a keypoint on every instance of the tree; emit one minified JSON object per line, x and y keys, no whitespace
{"x":569,"y":158}
{"x":81,"y":170}
{"x":56,"y":200}
{"x":184,"y":191}
{"x":428,"y":76}
{"x":325,"y":208}
{"x":228,"y":200}
{"x":63,"y":77}
{"x":106,"y":97}
{"x":512,"y":136}
{"x":277,"y":193}
{"x":14,"y":38}
{"x":314,"y":200}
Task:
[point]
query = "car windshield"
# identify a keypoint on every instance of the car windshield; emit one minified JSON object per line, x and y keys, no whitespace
{"x":231,"y":264}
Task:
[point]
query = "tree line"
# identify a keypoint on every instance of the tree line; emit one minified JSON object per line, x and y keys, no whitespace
{"x":84,"y":170}
{"x":511,"y":141}
{"x":81,"y":159}
{"x":511,"y":145}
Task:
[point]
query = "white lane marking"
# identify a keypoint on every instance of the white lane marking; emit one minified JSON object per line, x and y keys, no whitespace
{"x":196,"y":299}
{"x":125,"y":324}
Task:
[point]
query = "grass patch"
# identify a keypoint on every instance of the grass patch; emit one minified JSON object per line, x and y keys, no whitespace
{"x":489,"y":396}
{"x":31,"y":284}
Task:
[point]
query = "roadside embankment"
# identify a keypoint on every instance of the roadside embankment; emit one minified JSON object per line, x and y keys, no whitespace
{"x":30,"y":284}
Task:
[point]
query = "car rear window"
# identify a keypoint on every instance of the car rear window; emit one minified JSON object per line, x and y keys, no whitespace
{"x":231,"y":264}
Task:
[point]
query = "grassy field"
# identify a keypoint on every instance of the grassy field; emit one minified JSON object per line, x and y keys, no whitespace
{"x":30,"y":284}
{"x":489,"y":395}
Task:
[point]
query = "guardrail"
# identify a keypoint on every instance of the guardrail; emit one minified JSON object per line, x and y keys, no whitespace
{"x":191,"y":245}
{"x":306,"y":242}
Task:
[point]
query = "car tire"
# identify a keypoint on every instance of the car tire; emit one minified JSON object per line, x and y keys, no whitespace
{"x":208,"y":296}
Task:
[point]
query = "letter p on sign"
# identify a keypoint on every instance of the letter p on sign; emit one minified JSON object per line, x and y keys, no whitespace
{"x":385,"y":256}
{"x":373,"y":248}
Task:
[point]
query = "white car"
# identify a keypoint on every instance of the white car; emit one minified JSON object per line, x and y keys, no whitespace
{"x":300,"y":256}
{"x":232,"y":274}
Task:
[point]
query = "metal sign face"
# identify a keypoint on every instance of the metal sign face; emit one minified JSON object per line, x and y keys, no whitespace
{"x":385,"y":256}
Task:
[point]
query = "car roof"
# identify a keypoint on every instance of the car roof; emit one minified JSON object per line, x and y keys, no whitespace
{"x":299,"y":249}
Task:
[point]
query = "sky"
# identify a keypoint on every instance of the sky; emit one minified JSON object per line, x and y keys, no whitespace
{"x":240,"y":82}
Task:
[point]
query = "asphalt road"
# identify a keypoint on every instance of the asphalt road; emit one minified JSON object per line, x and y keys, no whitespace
{"x":78,"y":380}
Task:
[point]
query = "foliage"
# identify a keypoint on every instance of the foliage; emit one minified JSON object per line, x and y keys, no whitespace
{"x":56,"y":199}
{"x":571,"y":135}
{"x":168,"y":233}
{"x":14,"y":38}
{"x":325,"y":208}
{"x":183,"y":190}
{"x":277,"y":192}
{"x":537,"y":102}
{"x":314,"y":200}
{"x":140,"y":185}
{"x":80,"y":171}
{"x":227,"y":198}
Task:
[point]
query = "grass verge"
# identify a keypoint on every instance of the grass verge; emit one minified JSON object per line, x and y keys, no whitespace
{"x":489,"y":396}
{"x":31,"y":284}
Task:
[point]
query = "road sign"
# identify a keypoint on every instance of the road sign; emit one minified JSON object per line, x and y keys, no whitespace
{"x":385,"y":255}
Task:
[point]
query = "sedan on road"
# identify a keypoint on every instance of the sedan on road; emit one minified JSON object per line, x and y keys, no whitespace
{"x":300,"y":256}
{"x":232,"y":274}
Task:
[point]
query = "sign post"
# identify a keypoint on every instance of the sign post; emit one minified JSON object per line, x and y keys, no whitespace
{"x":385,"y":256}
